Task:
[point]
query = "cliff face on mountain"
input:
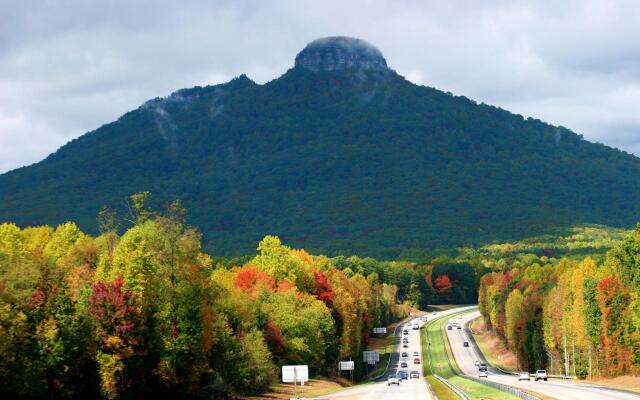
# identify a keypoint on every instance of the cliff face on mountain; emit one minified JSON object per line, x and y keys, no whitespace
{"x":338,"y":155}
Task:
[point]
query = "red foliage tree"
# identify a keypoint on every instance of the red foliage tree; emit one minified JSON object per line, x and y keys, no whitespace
{"x":112,"y":308}
{"x":443,"y":284}
{"x":274,"y":339}
{"x":248,"y":278}
{"x":323,"y":288}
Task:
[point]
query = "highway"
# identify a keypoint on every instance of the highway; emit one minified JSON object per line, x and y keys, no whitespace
{"x":409,"y":389}
{"x":556,"y":388}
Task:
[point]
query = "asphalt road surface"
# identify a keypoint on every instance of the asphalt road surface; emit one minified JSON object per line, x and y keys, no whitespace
{"x":409,"y":389}
{"x":556,"y":388}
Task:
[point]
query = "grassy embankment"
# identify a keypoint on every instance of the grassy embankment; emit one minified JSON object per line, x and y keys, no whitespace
{"x":439,"y":352}
{"x":492,"y":347}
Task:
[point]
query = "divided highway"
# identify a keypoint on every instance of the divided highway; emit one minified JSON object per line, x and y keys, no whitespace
{"x":558,"y":389}
{"x":407,"y":390}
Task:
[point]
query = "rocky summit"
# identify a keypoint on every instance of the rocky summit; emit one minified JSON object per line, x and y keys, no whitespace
{"x":340,"y":53}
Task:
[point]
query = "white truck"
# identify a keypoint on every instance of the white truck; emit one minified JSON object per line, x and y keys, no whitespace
{"x":541,"y":374}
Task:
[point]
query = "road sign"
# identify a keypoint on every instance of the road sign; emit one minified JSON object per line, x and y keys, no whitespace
{"x":370,"y":357}
{"x":346,"y":365}
{"x":379,"y":330}
{"x":295,"y":373}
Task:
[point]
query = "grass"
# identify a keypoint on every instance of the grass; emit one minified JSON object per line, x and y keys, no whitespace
{"x":313,"y":388}
{"x":441,"y":390}
{"x":439,"y":352}
{"x":492,"y":348}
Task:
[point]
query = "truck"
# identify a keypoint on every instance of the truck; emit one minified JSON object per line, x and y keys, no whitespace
{"x":541,"y":374}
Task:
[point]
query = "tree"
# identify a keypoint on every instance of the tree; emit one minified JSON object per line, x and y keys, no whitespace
{"x":443,"y":284}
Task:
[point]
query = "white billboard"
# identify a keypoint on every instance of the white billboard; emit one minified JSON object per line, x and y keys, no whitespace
{"x":370,"y":357}
{"x":347,"y":365}
{"x":295,"y":373}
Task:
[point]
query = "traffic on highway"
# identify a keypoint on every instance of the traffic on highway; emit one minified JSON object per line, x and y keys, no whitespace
{"x":404,"y":378}
{"x":472,"y":363}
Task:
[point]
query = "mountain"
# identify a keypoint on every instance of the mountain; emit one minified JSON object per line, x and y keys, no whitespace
{"x":338,"y":155}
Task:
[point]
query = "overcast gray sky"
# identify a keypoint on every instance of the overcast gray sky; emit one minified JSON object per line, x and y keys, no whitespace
{"x":67,"y":67}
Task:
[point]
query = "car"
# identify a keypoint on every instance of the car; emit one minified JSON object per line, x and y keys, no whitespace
{"x":541,"y":374}
{"x":416,"y":361}
{"x":477,"y":363}
{"x":393,"y":379}
{"x":405,"y":354}
{"x":465,"y":344}
{"x":459,"y":327}
{"x":449,"y":327}
{"x":483,"y":374}
{"x":405,"y":346}
{"x":414,"y":374}
{"x":416,"y":354}
{"x":405,"y":332}
{"x":482,"y":367}
{"x":403,"y":375}
{"x":434,"y":313}
{"x":403,"y":365}
{"x":523,"y":376}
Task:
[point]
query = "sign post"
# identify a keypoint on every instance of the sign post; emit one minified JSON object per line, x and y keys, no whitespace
{"x":348,"y":366}
{"x":295,"y":373}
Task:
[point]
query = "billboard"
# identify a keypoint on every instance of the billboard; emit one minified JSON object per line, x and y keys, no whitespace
{"x":347,"y":365}
{"x":295,"y":373}
{"x":370,"y":357}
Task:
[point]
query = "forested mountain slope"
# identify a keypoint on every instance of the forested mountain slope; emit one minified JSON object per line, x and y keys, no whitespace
{"x":338,"y":155}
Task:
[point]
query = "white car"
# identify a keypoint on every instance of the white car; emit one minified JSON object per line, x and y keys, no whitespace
{"x":414,"y":374}
{"x":524,"y":376}
{"x":541,"y":374}
{"x":416,"y":354}
{"x":483,"y":374}
{"x":477,"y":363}
{"x":393,"y":380}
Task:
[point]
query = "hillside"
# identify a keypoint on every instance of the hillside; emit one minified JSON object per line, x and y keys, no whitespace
{"x":338,"y":155}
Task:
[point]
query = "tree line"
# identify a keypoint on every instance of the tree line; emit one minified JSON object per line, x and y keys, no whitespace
{"x":573,"y":316}
{"x":147,"y":313}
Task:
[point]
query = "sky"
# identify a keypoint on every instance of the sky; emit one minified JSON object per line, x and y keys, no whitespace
{"x":68,"y":67}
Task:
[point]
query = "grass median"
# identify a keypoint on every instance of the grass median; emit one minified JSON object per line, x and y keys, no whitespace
{"x":436,"y":347}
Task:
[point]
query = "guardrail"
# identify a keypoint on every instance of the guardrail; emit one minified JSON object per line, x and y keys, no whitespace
{"x":504,"y":388}
{"x":450,"y":385}
{"x":453,"y":387}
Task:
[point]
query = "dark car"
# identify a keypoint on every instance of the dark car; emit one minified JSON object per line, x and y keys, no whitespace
{"x":416,"y":361}
{"x":465,"y":344}
{"x":403,"y":375}
{"x":449,"y":327}
{"x":406,"y":346}
{"x":403,"y":365}
{"x":405,"y":354}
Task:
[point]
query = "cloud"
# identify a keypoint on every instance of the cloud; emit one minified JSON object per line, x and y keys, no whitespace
{"x":67,"y":67}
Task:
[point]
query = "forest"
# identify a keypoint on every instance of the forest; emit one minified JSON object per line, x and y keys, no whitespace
{"x":572,"y":315}
{"x":148,"y":313}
